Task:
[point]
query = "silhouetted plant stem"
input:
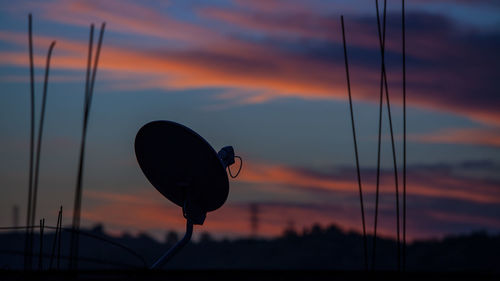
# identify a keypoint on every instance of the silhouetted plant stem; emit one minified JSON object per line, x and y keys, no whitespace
{"x":28,"y":241}
{"x":40,"y":260}
{"x":89,"y":86}
{"x":52,"y":253}
{"x":365,"y":246}
{"x":40,"y":133}
{"x":404,"y":134}
{"x":78,"y":192}
{"x":384,"y":75}
{"x":377,"y":185}
{"x":59,"y":239}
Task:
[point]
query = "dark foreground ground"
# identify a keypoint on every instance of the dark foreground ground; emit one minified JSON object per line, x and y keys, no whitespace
{"x":260,"y":275}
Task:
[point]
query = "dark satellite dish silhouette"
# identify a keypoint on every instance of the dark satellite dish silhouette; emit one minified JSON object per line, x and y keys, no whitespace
{"x":185,"y":169}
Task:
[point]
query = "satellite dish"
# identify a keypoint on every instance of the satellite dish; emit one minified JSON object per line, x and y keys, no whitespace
{"x":185,"y":169}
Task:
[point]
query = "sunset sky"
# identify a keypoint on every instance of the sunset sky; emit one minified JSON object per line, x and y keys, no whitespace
{"x":268,"y":78}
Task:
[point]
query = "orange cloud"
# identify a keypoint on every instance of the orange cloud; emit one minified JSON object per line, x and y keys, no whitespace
{"x":427,"y":183}
{"x":212,"y":59}
{"x":261,"y":70}
{"x":146,"y":210}
{"x":122,"y":16}
{"x":471,"y":136}
{"x":143,"y":211}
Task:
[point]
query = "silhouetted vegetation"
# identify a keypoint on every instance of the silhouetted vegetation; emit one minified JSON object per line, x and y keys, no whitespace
{"x":316,"y":248}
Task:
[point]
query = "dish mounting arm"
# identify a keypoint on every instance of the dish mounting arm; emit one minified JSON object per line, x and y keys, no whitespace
{"x":176,"y":248}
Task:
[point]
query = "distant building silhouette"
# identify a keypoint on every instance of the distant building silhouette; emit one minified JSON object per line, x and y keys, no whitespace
{"x":254,"y":219}
{"x":172,"y":238}
{"x":15,"y":215}
{"x":205,"y":237}
{"x":290,"y":229}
